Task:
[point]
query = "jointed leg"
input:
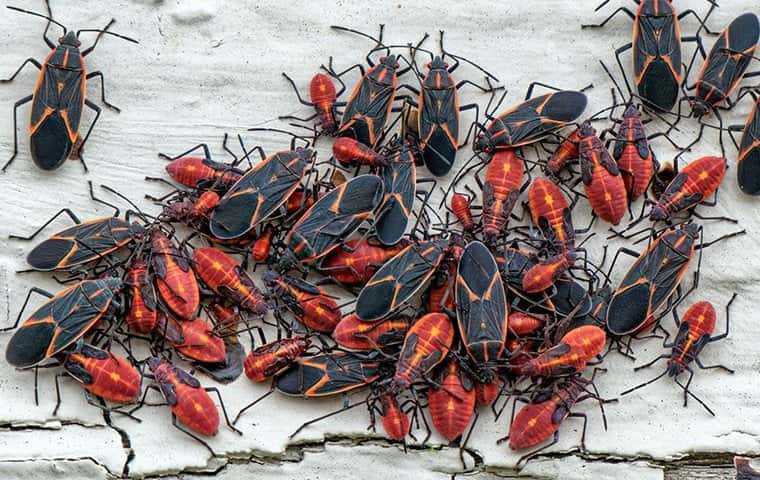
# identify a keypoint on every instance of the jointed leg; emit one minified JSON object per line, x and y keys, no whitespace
{"x":99,"y":74}
{"x":15,"y":129}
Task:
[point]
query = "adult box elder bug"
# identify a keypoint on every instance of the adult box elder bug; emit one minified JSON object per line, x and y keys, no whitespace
{"x":653,"y":278}
{"x":657,"y":64}
{"x":371,"y":101}
{"x":62,"y":320}
{"x":723,"y":68}
{"x":259,"y":193}
{"x":396,"y":282}
{"x":530,"y":121}
{"x":748,"y":162}
{"x":85,"y":242}
{"x":438,"y":105}
{"x":59,"y":96}
{"x":695,"y":331}
{"x":331,"y":220}
{"x":481,"y":306}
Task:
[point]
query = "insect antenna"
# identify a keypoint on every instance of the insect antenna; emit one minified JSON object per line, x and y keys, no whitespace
{"x":29,"y":12}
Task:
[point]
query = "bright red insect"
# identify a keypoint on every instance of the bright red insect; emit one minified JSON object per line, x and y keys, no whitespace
{"x":224,"y":276}
{"x":565,"y":152}
{"x":354,"y":334}
{"x":521,"y":324}
{"x":174,"y":278}
{"x":600,"y":174}
{"x":426,"y":345}
{"x":349,"y":151}
{"x":194,"y":172}
{"x":551,"y":213}
{"x":142,"y":314}
{"x":570,"y":355}
{"x":262,"y":246}
{"x":692,"y":185}
{"x":358,"y":261}
{"x":200,"y":343}
{"x":460,"y":205}
{"x":268,"y":360}
{"x":322,"y":94}
{"x":396,"y":423}
{"x":311,"y":306}
{"x":453,"y":404}
{"x":501,"y":188}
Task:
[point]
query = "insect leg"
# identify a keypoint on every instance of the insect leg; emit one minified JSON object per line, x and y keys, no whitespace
{"x":28,"y":60}
{"x":176,"y":424}
{"x":80,"y":147}
{"x":15,"y":129}
{"x":612,"y":15}
{"x":99,"y":74}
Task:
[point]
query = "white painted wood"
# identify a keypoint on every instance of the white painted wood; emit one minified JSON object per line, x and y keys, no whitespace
{"x":208,"y":67}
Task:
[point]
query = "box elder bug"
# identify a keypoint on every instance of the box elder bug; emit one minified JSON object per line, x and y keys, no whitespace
{"x":656,"y":48}
{"x":695,"y":331}
{"x":748,"y":162}
{"x":59,"y":96}
{"x":192,"y":408}
{"x":481,"y":309}
{"x":722,"y":71}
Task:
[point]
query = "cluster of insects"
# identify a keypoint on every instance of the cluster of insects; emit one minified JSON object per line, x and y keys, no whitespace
{"x":485,"y":299}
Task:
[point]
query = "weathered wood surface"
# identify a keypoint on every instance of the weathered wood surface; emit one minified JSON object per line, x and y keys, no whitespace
{"x":208,"y":67}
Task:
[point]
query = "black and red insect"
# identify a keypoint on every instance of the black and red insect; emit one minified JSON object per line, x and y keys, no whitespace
{"x":695,"y":331}
{"x":437,"y":128}
{"x":656,"y":44}
{"x":400,"y":181}
{"x":333,"y":218}
{"x":59,"y":97}
{"x":748,"y":162}
{"x":329,"y":374}
{"x":259,"y":193}
{"x":530,"y":121}
{"x":481,"y":306}
{"x":85,"y":242}
{"x":356,"y":261}
{"x":371,"y":101}
{"x":722,"y":71}
{"x":396,"y":282}
{"x":654,"y":277}
{"x":62,"y":320}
